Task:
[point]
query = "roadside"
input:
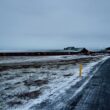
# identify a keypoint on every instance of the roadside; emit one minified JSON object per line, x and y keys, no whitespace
{"x":27,"y":85}
{"x":96,"y":95}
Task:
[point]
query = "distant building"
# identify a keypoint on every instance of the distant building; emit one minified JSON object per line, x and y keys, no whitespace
{"x":77,"y":50}
{"x":65,"y":51}
{"x":107,"y":49}
{"x":69,"y":48}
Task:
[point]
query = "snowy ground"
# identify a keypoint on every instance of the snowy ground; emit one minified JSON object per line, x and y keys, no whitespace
{"x":29,"y":82}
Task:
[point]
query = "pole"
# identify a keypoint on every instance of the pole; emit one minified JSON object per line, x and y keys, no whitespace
{"x":80,"y":70}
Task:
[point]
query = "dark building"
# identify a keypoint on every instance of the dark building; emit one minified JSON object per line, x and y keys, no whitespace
{"x":77,"y":50}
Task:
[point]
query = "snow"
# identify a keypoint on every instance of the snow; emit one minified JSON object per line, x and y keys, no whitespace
{"x":21,"y":59}
{"x":59,"y":80}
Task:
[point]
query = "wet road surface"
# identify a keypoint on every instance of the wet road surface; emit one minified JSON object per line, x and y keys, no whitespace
{"x":96,"y":95}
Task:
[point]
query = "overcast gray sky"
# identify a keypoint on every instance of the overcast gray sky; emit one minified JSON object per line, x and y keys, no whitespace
{"x":53,"y":24}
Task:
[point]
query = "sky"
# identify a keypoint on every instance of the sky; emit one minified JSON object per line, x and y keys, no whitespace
{"x":54,"y":24}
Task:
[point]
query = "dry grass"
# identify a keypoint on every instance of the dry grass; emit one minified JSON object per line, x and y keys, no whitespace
{"x":30,"y":95}
{"x":51,"y":64}
{"x":36,"y":82}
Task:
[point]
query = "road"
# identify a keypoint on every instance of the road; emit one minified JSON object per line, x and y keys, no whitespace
{"x":96,"y":95}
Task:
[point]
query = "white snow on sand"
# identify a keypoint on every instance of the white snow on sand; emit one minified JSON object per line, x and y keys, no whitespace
{"x":21,"y":59}
{"x":59,"y":80}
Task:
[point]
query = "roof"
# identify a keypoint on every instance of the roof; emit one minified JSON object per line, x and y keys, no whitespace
{"x":73,"y":49}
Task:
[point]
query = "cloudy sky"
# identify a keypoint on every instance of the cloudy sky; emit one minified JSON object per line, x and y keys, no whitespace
{"x":54,"y":24}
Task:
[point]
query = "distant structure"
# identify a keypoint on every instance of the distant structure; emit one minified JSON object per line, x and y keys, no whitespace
{"x":77,"y":50}
{"x":103,"y":51}
{"x":69,"y":48}
{"x":65,"y":51}
{"x":107,"y":49}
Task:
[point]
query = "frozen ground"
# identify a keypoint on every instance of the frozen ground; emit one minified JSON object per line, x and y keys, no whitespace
{"x":38,"y":58}
{"x":42,"y":83}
